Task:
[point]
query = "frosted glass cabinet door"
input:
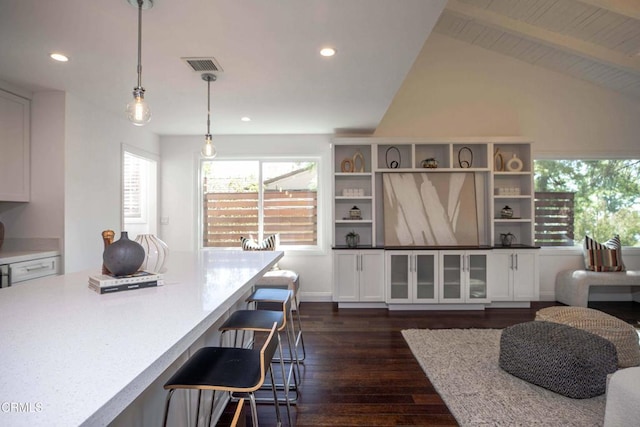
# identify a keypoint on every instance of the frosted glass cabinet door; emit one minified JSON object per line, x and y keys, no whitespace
{"x":477,"y":278}
{"x":399,"y":276}
{"x":452,"y":277}
{"x":426,"y":277}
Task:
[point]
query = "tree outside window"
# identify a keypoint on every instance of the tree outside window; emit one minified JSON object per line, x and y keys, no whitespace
{"x":606,"y":199}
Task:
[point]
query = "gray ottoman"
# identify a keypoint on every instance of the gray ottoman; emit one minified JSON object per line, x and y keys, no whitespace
{"x":561,"y":358}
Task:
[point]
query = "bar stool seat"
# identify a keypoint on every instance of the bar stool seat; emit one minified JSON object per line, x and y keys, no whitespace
{"x":227,"y":369}
{"x":263,"y":297}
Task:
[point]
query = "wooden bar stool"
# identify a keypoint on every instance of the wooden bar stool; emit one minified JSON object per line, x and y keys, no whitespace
{"x":228,"y":369}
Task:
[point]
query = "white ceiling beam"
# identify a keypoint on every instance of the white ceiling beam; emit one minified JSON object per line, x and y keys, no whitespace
{"x":628,"y":8}
{"x":546,"y":37}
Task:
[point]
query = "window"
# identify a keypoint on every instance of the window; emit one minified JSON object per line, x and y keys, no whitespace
{"x":139,"y":193}
{"x":598,"y":198}
{"x":259,"y":198}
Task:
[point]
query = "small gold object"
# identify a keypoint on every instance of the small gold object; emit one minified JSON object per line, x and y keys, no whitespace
{"x":107,"y":238}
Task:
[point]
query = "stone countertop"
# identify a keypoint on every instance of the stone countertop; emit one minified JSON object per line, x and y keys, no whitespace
{"x":11,"y":256}
{"x":71,"y":356}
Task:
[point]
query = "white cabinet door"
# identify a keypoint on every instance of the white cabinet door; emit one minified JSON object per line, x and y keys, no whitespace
{"x":501,"y":276}
{"x":514,"y":275}
{"x":358,"y":276}
{"x":14,"y":148}
{"x":371,"y":276}
{"x":346,"y":276}
{"x":526,"y":286}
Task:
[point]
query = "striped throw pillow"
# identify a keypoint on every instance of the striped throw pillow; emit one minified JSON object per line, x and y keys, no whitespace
{"x":249,"y":244}
{"x":605,"y":256}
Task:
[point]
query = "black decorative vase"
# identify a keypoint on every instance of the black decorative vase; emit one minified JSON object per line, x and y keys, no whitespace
{"x":124,"y":256}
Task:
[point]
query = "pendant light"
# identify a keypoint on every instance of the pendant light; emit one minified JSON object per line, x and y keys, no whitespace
{"x":138,"y":111}
{"x":208,"y":149}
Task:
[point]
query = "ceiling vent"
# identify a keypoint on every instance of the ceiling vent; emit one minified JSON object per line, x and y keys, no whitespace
{"x":203,"y":64}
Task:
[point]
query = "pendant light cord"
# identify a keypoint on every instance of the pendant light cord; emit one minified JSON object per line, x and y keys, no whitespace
{"x":140,"y":2}
{"x":208,"y":105}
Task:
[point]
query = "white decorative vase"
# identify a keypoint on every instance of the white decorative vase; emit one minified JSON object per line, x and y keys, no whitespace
{"x":156,"y":253}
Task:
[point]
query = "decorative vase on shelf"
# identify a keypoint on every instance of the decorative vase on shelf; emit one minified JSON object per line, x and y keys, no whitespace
{"x":156,"y":252}
{"x":506,"y":213}
{"x":124,"y":256}
{"x":352,"y":239}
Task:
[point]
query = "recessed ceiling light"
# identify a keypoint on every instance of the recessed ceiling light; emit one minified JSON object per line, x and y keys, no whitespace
{"x":327,"y":51}
{"x":59,"y":57}
{"x":245,"y":119}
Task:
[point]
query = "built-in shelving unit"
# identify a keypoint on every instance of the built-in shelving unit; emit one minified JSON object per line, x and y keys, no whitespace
{"x":503,"y":176}
{"x":512,"y":185}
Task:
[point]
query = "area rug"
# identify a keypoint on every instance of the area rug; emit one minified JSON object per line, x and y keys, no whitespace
{"x":462,"y":365}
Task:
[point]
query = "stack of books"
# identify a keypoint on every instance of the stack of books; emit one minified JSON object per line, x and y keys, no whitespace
{"x":105,"y":283}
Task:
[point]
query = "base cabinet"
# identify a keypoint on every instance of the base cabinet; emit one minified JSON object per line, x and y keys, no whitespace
{"x":514,"y":275}
{"x":412,"y":276}
{"x":358,"y":276}
{"x":464,"y":276}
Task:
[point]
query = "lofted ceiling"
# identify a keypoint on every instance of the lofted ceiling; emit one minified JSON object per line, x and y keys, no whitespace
{"x":267,"y":49}
{"x":593,"y":40}
{"x":268,"y":53}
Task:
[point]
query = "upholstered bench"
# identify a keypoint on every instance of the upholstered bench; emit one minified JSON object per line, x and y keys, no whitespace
{"x":623,"y":335}
{"x":561,"y":358}
{"x":623,"y":395}
{"x":572,"y":286}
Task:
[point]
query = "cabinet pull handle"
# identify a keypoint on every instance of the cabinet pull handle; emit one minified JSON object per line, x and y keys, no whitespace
{"x":359,"y":263}
{"x":516,"y":257}
{"x":37,"y":267}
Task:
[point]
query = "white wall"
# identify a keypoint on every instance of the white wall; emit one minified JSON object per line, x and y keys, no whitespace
{"x":456,"y":89}
{"x":93,"y":175}
{"x":180,"y":202}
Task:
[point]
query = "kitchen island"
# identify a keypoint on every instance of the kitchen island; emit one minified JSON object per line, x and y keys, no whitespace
{"x":71,"y":356}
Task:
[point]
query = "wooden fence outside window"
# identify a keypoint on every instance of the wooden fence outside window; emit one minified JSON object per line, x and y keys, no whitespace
{"x":554,"y":218}
{"x":290,"y":213}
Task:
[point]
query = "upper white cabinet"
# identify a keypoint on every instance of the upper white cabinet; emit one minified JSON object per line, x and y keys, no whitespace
{"x":14,"y":148}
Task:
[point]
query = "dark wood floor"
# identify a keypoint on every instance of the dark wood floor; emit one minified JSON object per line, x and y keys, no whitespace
{"x":360,"y":372}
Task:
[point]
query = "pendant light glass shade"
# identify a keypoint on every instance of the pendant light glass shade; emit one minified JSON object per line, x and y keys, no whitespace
{"x":138,"y":111}
{"x":208,"y":149}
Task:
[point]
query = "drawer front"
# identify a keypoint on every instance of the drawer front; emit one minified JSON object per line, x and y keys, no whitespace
{"x":27,"y":270}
